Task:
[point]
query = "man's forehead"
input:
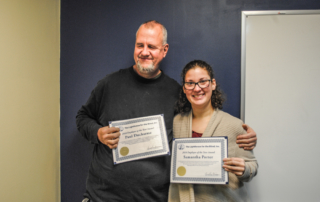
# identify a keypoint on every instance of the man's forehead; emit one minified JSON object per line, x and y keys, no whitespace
{"x":152,"y":33}
{"x":154,"y":28}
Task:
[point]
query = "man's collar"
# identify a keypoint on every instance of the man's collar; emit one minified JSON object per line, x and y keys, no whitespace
{"x":153,"y":78}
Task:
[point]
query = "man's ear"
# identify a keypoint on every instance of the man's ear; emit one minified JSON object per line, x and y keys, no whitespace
{"x":165,"y":50}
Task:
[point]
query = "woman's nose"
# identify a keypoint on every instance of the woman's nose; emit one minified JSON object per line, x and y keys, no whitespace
{"x":197,"y":87}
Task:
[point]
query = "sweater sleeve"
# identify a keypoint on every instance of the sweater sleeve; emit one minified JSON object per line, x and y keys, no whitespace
{"x":88,"y":116}
{"x":251,"y":169}
{"x":251,"y":164}
{"x":232,"y":127}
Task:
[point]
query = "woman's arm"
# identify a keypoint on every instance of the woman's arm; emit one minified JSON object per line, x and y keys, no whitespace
{"x":244,"y":170}
{"x":240,"y":162}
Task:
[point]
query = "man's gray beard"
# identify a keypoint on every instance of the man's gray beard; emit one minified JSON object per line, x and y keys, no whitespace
{"x":149,"y":69}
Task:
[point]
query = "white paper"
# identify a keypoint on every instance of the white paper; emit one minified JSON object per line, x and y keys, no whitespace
{"x":140,"y":138}
{"x":199,"y":160}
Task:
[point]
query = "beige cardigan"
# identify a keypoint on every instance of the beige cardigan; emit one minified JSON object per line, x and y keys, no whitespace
{"x":220,"y":124}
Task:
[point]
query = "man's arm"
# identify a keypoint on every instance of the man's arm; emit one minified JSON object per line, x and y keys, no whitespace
{"x":87,"y":118}
{"x":94,"y":132}
{"x":247,"y":141}
{"x":88,"y":121}
{"x":87,"y":124}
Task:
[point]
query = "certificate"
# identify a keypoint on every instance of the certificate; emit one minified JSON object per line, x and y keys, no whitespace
{"x":140,"y":138}
{"x":199,"y":160}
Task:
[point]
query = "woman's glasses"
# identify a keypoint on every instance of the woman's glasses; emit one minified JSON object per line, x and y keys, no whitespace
{"x":192,"y":85}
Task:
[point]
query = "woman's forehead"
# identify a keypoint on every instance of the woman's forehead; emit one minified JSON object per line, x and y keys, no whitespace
{"x":197,"y":72}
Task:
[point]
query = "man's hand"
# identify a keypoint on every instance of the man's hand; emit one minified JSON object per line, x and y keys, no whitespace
{"x":234,"y":165}
{"x":109,"y":136}
{"x":247,"y":141}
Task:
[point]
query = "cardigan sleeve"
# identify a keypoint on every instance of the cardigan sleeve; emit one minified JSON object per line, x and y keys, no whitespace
{"x":251,"y":169}
{"x":251,"y":164}
{"x":231,"y":126}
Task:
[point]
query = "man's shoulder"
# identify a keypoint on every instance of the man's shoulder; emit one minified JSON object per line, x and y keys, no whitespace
{"x":172,"y":84}
{"x":115,"y":75}
{"x":111,"y":78}
{"x":171,"y":80}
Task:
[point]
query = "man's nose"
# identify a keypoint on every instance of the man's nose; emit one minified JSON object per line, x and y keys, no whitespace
{"x":145,"y":51}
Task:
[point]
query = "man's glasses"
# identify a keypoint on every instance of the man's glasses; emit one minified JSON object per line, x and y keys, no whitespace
{"x":192,"y":85}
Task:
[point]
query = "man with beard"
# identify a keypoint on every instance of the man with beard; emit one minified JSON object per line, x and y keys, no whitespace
{"x":140,"y":90}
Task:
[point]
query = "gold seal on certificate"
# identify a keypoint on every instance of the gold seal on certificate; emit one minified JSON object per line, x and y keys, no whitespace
{"x":199,"y":160}
{"x":140,"y":138}
{"x":124,"y":151}
{"x":181,"y":171}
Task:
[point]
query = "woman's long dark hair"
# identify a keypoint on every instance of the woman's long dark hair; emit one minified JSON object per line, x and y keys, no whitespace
{"x":183,"y":105}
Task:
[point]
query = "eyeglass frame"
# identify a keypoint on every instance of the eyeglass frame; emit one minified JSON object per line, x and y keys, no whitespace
{"x":197,"y":83}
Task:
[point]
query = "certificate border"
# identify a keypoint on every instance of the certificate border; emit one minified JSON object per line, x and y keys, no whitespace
{"x":219,"y":139}
{"x":163,"y":135}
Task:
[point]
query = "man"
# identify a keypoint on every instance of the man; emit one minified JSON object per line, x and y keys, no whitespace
{"x":141,"y":90}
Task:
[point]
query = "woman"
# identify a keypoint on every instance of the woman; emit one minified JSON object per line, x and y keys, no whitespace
{"x":200,"y":115}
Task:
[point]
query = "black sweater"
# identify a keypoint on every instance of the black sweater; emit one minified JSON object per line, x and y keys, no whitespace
{"x":124,"y":95}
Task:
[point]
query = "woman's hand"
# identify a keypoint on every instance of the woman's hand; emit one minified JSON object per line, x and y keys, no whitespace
{"x":234,"y":165}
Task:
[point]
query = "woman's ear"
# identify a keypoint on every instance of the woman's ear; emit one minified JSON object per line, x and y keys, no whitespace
{"x":213,"y":84}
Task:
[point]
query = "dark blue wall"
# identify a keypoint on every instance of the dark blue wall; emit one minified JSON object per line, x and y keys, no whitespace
{"x":98,"y":36}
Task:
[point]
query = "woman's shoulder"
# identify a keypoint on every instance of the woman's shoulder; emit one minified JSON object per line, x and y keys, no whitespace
{"x":230,"y":121}
{"x":181,"y":122}
{"x":228,"y":117}
{"x":181,"y":116}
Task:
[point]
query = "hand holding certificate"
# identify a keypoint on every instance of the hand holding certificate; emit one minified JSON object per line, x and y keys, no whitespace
{"x":199,"y":160}
{"x":140,"y":138}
